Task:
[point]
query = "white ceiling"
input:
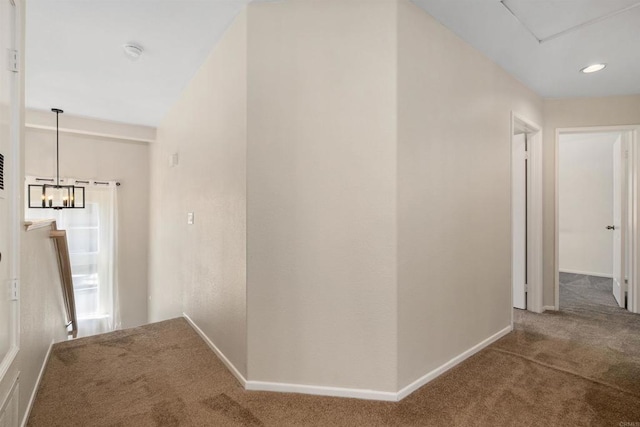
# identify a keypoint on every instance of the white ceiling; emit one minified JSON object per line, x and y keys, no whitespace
{"x":551,"y":67}
{"x":75,"y":61}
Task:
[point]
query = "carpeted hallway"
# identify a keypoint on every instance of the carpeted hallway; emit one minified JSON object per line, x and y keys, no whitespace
{"x":579,"y":366}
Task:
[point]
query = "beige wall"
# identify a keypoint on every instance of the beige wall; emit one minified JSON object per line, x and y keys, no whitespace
{"x":200,"y":269}
{"x":579,"y":112}
{"x":92,"y":157}
{"x":321,"y":193}
{"x":375,"y":149}
{"x":42,"y":315}
{"x":454,"y":232}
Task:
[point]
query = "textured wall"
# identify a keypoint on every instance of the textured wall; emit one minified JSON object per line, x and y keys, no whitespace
{"x":564,"y":113}
{"x":42,"y":318}
{"x":90,"y":157}
{"x":42,"y":315}
{"x":374,"y":139}
{"x":321,"y":193}
{"x":200,"y":269}
{"x":454,"y":232}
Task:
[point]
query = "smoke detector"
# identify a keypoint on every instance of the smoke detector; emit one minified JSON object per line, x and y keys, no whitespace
{"x":133,"y":50}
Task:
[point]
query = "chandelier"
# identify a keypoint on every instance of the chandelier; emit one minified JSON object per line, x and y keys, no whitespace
{"x":51,"y":194}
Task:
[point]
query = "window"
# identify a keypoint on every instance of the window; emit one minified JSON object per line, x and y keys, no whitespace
{"x":83,"y":236}
{"x":91,"y":235}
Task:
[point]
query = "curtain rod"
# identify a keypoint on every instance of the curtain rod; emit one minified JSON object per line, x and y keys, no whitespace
{"x":97,"y":182}
{"x":79,"y":181}
{"x":89,"y":133}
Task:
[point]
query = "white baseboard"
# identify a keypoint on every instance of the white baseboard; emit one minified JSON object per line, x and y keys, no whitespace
{"x":406,"y":391}
{"x":32,"y":399}
{"x":374,"y":394}
{"x":549,"y":307}
{"x":322,"y":390}
{"x":587,"y":273}
{"x":217,"y":351}
{"x":290,"y":388}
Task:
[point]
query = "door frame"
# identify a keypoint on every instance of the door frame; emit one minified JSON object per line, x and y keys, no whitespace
{"x":633,"y":298}
{"x":14,"y":190}
{"x":534,"y":211}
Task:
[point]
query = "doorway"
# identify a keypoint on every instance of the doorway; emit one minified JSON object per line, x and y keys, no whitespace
{"x":595,"y":217}
{"x":526,"y":215}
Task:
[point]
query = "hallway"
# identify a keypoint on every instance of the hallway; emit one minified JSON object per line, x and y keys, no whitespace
{"x":579,"y":293}
{"x":580,"y":366}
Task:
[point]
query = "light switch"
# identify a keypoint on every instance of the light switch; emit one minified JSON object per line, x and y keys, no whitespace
{"x":190,"y":218}
{"x":174,"y":160}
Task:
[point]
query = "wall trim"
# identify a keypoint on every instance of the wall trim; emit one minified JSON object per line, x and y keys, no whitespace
{"x":216,"y":350}
{"x":356,"y":393}
{"x":13,"y":393}
{"x":586,"y":273}
{"x":32,"y":398}
{"x":375,"y":394}
{"x":406,"y":391}
{"x":535,"y":271}
{"x":90,"y":133}
{"x":15,"y":387}
{"x":8,"y":360}
{"x":549,"y":307}
{"x":4,"y":399}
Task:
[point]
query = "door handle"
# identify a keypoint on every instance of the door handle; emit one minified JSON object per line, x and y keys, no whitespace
{"x":611,"y":227}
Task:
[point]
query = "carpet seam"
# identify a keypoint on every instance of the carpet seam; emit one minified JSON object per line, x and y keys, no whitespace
{"x":546,"y":365}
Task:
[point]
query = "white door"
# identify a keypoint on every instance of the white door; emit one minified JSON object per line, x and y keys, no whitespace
{"x":6,"y":80}
{"x":618,"y":222}
{"x":519,"y":220}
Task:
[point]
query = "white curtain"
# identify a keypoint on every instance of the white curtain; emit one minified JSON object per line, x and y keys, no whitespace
{"x":92,"y":235}
{"x":104,"y":197}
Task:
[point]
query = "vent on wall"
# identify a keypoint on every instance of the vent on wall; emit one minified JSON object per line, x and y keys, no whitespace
{"x":1,"y":172}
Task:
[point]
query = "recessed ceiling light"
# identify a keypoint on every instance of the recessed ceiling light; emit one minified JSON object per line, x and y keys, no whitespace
{"x":593,"y":68}
{"x":133,"y":50}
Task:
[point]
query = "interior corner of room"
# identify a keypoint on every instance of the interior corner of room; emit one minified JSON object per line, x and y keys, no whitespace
{"x":365,"y":200}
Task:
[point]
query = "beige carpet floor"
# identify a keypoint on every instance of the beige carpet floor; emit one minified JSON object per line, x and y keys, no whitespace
{"x":571,"y":368}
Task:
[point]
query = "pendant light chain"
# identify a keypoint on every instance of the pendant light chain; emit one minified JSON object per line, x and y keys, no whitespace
{"x":57,"y":147}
